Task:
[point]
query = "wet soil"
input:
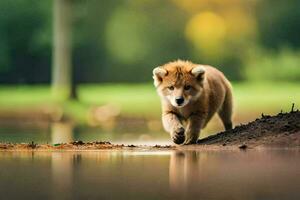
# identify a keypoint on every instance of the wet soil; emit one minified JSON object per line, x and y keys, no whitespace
{"x":78,"y":146}
{"x":282,"y":130}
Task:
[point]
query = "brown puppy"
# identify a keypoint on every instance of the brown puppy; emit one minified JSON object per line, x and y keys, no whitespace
{"x":191,"y":93}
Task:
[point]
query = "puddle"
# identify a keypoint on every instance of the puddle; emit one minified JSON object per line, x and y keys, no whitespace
{"x":142,"y":173}
{"x":172,"y":174}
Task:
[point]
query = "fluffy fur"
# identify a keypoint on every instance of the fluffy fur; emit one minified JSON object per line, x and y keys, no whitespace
{"x":190,"y":95}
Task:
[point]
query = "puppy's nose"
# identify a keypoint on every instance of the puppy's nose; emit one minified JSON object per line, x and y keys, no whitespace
{"x":179,"y":100}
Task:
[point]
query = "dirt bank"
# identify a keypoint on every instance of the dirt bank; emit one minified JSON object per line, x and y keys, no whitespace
{"x":77,"y":146}
{"x":282,"y":130}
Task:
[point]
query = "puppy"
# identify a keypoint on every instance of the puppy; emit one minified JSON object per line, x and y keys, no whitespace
{"x":191,"y":94}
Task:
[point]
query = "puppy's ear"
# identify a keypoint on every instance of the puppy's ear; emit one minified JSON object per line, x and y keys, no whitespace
{"x":158,"y":75}
{"x":198,"y":72}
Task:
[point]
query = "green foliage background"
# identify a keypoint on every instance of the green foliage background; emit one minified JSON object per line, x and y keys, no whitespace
{"x":122,"y":41}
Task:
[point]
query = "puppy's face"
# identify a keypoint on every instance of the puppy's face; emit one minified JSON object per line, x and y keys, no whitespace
{"x":179,"y":82}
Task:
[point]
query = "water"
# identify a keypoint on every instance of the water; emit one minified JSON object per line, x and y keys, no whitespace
{"x":173,"y":174}
{"x":141,"y":174}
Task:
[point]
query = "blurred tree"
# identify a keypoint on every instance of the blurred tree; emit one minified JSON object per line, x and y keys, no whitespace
{"x":122,"y":41}
{"x":266,"y":65}
{"x":62,"y":83}
{"x":220,"y":32}
{"x":90,"y":57}
{"x":279,"y":23}
{"x":25,"y":47}
{"x":141,"y":35}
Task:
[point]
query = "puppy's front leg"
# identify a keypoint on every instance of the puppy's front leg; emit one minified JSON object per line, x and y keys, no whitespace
{"x":173,"y":125}
{"x":193,"y":128}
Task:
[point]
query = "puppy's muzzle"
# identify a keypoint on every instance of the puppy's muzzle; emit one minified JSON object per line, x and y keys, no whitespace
{"x":179,"y":100}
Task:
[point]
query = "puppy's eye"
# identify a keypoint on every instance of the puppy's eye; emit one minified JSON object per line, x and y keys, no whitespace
{"x":171,"y":88}
{"x":187,"y":87}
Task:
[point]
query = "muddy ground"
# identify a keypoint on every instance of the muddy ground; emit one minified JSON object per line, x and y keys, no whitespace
{"x":79,"y":146}
{"x":282,"y":130}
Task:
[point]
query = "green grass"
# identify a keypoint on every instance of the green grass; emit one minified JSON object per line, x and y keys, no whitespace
{"x":132,"y":99}
{"x":19,"y":96}
{"x":266,"y":96}
{"x":141,"y":100}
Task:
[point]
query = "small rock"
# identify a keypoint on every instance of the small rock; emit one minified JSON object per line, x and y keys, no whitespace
{"x":78,"y":143}
{"x":32,"y":145}
{"x":104,"y":142}
{"x":243,"y":146}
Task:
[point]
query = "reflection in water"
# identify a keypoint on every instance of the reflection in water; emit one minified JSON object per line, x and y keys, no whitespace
{"x":151,"y":175}
{"x":62,"y":174}
{"x":183,"y":167}
{"x":235,"y":175}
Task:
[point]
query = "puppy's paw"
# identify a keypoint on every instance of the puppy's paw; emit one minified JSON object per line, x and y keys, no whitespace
{"x":178,"y":135}
{"x":191,"y":140}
